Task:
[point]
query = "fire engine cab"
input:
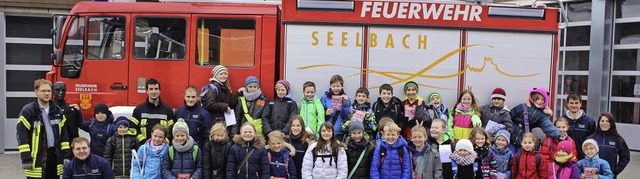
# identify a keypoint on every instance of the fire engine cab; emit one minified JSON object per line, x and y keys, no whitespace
{"x":105,"y":52}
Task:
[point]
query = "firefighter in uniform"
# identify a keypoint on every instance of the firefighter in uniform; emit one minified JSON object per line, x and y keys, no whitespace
{"x":42,"y":136}
{"x":150,"y":113}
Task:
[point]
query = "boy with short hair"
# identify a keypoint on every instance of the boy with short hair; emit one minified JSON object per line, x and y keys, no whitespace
{"x":100,"y":128}
{"x":311,"y":109}
{"x":361,"y":111}
{"x":118,"y":148}
{"x":389,"y":106}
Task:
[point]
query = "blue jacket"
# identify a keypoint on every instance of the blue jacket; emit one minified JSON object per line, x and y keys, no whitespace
{"x":342,"y":114}
{"x":602,"y":167}
{"x":149,"y":160}
{"x":93,"y":166}
{"x":391,"y":166}
{"x":198,"y":120}
{"x":281,"y":164}
{"x":611,"y":150}
{"x":99,"y":132}
{"x":183,"y":163}
{"x":256,"y":166}
{"x":537,"y":118}
{"x":500,"y":160}
{"x":580,"y":129}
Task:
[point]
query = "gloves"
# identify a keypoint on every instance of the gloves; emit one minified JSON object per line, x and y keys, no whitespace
{"x":65,"y":161}
{"x":27,"y":166}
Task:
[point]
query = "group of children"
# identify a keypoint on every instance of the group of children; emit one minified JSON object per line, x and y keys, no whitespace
{"x":334,"y":137}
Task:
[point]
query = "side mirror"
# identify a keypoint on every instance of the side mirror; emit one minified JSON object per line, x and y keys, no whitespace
{"x":57,"y":57}
{"x":57,"y":29}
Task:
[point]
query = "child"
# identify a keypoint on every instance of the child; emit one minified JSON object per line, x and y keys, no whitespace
{"x":251,"y":104}
{"x":359,"y":152}
{"x":496,"y":111}
{"x":414,"y":109}
{"x":362,"y":106}
{"x":277,"y":114}
{"x":183,"y":159}
{"x":531,"y":114}
{"x":388,"y":105}
{"x":146,"y":161}
{"x":527,"y":163}
{"x":500,"y":156}
{"x":247,"y":157}
{"x":391,"y":158}
{"x":563,"y":165}
{"x":216,"y":97}
{"x":592,"y":165}
{"x":442,"y":140}
{"x":311,"y":109}
{"x":281,"y":164}
{"x":463,"y":159}
{"x":100,"y":128}
{"x":481,"y":147}
{"x":336,"y":103}
{"x":465,"y":115}
{"x":215,"y":152}
{"x":549,"y":145}
{"x":435,"y":109}
{"x":300,"y":139}
{"x":325,"y":159}
{"x":118,"y":148}
{"x":425,"y":158}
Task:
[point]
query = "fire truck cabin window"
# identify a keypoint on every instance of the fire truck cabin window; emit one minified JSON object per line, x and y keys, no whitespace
{"x":160,"y":38}
{"x":105,"y":39}
{"x":228,"y":42}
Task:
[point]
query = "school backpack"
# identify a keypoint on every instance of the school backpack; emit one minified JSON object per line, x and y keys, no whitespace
{"x":315,"y":156}
{"x":205,"y":89}
{"x":194,"y":153}
{"x":383,"y":153}
{"x":286,"y":163}
{"x":538,"y":160}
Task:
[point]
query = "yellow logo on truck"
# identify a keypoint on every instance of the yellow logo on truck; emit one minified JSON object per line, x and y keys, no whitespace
{"x":85,"y":101}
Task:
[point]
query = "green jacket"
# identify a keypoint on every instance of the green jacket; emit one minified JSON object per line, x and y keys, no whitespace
{"x":313,"y":114}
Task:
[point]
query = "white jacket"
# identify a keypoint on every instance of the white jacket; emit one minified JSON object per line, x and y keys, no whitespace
{"x":325,"y":168}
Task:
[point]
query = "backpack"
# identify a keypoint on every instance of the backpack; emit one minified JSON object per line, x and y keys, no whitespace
{"x":538,"y":160}
{"x":286,"y":163}
{"x":205,"y":89}
{"x":383,"y":153}
{"x":315,"y":156}
{"x":194,"y":153}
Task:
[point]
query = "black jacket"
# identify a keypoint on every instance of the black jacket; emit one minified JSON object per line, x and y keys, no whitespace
{"x":118,"y":152}
{"x":93,"y":167}
{"x":218,"y":102}
{"x":147,"y":114}
{"x":214,"y":155}
{"x":395,"y":110}
{"x":363,"y":170}
{"x":73,"y":116}
{"x":300,"y":146}
{"x":277,"y":114}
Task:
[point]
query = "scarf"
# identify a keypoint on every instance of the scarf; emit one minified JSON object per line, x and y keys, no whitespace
{"x":442,"y":111}
{"x":183,"y":147}
{"x":498,"y":150}
{"x":363,"y":144}
{"x":462,"y":107}
{"x":463,"y":160}
{"x":156,"y":148}
{"x":564,"y":159}
{"x":252,"y":96}
{"x":482,"y":151}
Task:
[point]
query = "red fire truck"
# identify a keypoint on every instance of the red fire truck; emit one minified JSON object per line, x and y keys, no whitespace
{"x":105,"y":52}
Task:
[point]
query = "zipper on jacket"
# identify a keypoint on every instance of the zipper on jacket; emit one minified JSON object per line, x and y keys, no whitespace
{"x":123,"y":174}
{"x":526,"y":159}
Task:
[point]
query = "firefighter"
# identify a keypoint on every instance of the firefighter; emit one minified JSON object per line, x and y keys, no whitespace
{"x":43,"y":140}
{"x":151,"y":112}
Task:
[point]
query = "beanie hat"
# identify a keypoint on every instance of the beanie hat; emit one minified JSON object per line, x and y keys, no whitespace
{"x":464,"y":144}
{"x":591,"y":141}
{"x":284,"y":83}
{"x":217,"y":70}
{"x":499,"y":93}
{"x":434,"y":94}
{"x":180,"y":126}
{"x":503,"y":133}
{"x":410,"y":84}
{"x":356,"y":125}
{"x":566,"y":145}
{"x":251,"y":80}
{"x":545,"y":94}
{"x":101,"y":108}
{"x":122,"y":121}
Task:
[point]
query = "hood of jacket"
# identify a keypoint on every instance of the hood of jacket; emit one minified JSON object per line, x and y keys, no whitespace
{"x":286,"y":149}
{"x":399,"y":143}
{"x":411,"y":147}
{"x":257,"y":142}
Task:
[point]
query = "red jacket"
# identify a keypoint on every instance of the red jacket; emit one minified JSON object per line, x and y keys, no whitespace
{"x":526,"y":169}
{"x":550,"y":147}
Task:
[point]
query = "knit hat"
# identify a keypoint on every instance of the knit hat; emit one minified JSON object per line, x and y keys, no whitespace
{"x":499,"y":93}
{"x":356,"y":125}
{"x":217,"y":70}
{"x":101,"y":108}
{"x":180,"y":126}
{"x":503,"y":133}
{"x":464,"y":144}
{"x":566,"y":145}
{"x":545,"y":94}
{"x":434,"y":94}
{"x":284,"y":83}
{"x":251,"y":80}
{"x":122,"y":121}
{"x":591,"y":141}
{"x":410,"y":84}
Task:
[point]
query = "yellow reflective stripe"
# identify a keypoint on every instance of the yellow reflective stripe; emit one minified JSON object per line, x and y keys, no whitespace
{"x":61,"y":124}
{"x":35,"y":173}
{"x":135,"y":121}
{"x":245,"y":110}
{"x":164,"y":123}
{"x":60,"y":168}
{"x":24,"y":148}
{"x":140,"y":137}
{"x":64,"y":145}
{"x":170,"y":122}
{"x":35,"y":141}
{"x":143,"y":128}
{"x":131,"y":131}
{"x":24,"y":122}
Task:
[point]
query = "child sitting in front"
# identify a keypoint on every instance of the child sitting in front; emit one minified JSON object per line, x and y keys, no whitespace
{"x":425,"y":158}
{"x":391,"y":158}
{"x":281,"y":164}
{"x":463,"y":160}
{"x":563,"y":165}
{"x":592,"y":166}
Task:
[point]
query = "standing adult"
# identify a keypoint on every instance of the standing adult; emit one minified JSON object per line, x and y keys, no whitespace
{"x":613,"y":147}
{"x":151,"y":112}
{"x":581,"y":126}
{"x":197,"y":118}
{"x":71,"y":111}
{"x":43,"y":145}
{"x":85,"y":164}
{"x":216,"y":97}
